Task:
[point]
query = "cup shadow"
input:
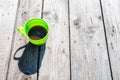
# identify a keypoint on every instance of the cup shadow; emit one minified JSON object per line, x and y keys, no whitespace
{"x":30,"y":61}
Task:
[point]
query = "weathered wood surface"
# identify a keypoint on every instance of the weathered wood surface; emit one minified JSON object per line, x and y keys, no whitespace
{"x":8,"y":10}
{"x":25,"y":68}
{"x":55,"y":64}
{"x":111,"y":12}
{"x":89,"y":59}
{"x":83,"y":44}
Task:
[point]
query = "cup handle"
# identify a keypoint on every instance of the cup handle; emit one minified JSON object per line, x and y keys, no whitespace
{"x":21,"y":30}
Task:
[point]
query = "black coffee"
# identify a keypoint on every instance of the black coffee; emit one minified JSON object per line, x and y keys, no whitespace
{"x":37,"y":32}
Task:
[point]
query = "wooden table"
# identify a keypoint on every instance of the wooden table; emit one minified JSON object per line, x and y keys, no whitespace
{"x":83,"y":43}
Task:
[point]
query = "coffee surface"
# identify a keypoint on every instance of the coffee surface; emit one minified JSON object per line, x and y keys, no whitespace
{"x":37,"y":32}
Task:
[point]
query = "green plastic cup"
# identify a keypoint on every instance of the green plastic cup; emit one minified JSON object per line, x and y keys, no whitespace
{"x":30,"y":24}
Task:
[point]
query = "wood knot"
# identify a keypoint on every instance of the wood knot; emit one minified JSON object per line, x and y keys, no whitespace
{"x":55,"y":17}
{"x":113,"y":29}
{"x":24,"y":13}
{"x":76,"y":22}
{"x":91,"y":29}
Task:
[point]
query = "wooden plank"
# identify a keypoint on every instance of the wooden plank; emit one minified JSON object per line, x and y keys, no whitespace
{"x":55,"y":64}
{"x":7,"y":17}
{"x":26,"y":66}
{"x":89,"y":59}
{"x":111,"y":10}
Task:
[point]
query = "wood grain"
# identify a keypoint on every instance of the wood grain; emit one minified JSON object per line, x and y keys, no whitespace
{"x":89,"y":59}
{"x":7,"y":17}
{"x":55,"y":64}
{"x":26,"y":66}
{"x":111,"y":12}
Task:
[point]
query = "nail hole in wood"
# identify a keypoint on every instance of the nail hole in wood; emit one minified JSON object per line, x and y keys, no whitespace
{"x":98,"y":44}
{"x":111,"y":45}
{"x":95,"y":59}
{"x":113,"y":29}
{"x":24,"y":12}
{"x":111,"y":34}
{"x":100,"y":17}
{"x":74,"y":41}
{"x":63,"y":51}
{"x":20,"y":39}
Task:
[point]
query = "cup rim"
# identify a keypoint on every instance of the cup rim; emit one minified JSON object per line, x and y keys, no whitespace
{"x":42,"y":39}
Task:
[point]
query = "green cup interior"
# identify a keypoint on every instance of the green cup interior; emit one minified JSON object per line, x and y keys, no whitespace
{"x":36,"y":22}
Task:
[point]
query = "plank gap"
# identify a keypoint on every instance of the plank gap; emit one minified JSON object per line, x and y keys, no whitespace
{"x":101,"y":8}
{"x":42,"y":9}
{"x":28,"y":9}
{"x":9,"y":61}
{"x":38,"y":63}
{"x":69,"y":39}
